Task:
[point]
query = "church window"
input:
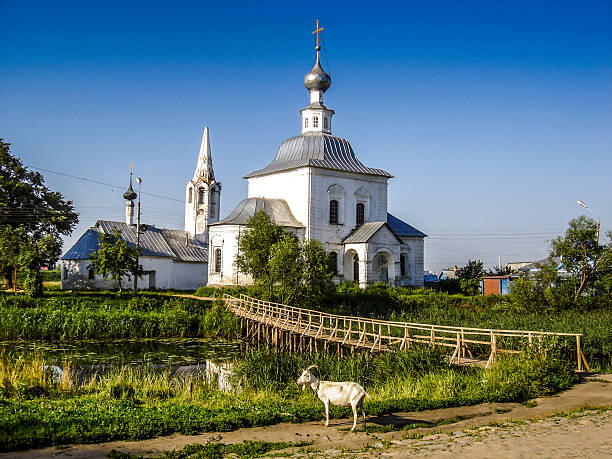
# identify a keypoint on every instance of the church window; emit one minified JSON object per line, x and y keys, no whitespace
{"x":305,"y":122}
{"x":403,"y":271}
{"x":190,"y":195}
{"x":359,"y":213}
{"x":333,"y":212}
{"x":201,"y":197}
{"x":315,"y":121}
{"x":356,"y":268}
{"x":326,"y":122}
{"x":217,"y":260}
{"x":91,"y":274}
{"x":333,"y":260}
{"x":65,"y":271}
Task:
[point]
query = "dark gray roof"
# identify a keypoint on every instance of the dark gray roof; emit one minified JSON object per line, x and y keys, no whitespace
{"x":154,"y":242}
{"x":365,"y":231}
{"x":276,"y":209}
{"x":317,"y":150}
{"x":402,"y":228}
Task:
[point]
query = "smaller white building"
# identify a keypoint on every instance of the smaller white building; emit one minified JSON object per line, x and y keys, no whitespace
{"x":171,"y":259}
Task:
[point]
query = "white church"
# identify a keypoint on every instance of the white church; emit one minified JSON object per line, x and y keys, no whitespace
{"x":315,"y":187}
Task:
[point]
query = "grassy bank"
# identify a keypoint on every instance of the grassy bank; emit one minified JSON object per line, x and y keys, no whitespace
{"x":107,"y":316}
{"x":133,"y":404}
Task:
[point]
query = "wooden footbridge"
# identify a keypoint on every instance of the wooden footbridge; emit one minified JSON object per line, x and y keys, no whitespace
{"x":305,"y":329}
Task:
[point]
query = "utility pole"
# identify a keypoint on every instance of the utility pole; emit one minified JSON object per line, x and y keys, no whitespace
{"x":139,"y":181}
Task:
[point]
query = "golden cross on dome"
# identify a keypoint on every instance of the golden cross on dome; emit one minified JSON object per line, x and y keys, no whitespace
{"x":319,"y":29}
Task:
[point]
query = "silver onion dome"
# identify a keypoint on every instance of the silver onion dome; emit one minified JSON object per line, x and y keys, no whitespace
{"x":317,"y":79}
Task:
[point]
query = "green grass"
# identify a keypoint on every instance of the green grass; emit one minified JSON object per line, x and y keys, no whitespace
{"x":133,"y":404}
{"x":107,"y":316}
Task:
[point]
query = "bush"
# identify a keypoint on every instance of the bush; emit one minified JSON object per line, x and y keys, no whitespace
{"x":32,"y":284}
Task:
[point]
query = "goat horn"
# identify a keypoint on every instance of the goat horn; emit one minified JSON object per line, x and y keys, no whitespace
{"x":311,"y":367}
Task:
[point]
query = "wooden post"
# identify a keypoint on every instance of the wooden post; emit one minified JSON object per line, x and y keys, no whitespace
{"x":578,"y":352}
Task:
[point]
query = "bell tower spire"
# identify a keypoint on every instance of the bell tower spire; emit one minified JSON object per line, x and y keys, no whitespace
{"x":202,"y":194}
{"x":317,"y":117}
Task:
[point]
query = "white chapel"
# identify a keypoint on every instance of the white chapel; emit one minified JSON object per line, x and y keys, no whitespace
{"x":316,"y":188}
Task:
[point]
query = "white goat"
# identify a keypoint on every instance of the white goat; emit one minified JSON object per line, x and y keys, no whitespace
{"x":338,"y":393}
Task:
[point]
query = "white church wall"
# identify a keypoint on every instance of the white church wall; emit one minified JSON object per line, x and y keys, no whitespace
{"x":375,"y":207}
{"x":189,"y":276}
{"x":292,"y":186}
{"x":416,"y":260}
{"x":225,"y":238}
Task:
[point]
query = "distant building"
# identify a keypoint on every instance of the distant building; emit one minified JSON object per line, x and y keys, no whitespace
{"x":495,"y":285}
{"x":430,"y":280}
{"x":450,"y":273}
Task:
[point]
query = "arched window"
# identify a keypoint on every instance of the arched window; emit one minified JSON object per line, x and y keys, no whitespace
{"x":359,"y":213}
{"x":91,"y":274}
{"x":190,"y":195}
{"x":326,"y":122}
{"x":333,"y":212}
{"x":305,"y":122}
{"x":315,"y":121}
{"x":333,"y":261}
{"x":201,"y":196}
{"x":217,"y":260}
{"x":356,"y":268}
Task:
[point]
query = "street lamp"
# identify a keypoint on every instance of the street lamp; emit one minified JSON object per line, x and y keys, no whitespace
{"x":583,"y":204}
{"x":139,"y":181}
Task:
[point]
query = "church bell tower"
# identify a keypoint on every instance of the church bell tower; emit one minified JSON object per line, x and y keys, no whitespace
{"x":202,"y":195}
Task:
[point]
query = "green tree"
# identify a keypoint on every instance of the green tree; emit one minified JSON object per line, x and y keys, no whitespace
{"x":469,"y":277}
{"x":115,"y":259}
{"x":254,"y":247}
{"x":32,"y":217}
{"x":583,"y":256}
{"x":294,"y":271}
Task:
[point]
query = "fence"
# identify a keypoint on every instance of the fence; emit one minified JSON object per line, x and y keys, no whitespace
{"x":282,"y":322}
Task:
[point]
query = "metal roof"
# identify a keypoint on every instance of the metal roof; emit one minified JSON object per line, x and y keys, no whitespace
{"x":84,"y":247}
{"x":154,"y":242}
{"x":317,"y":150}
{"x":402,"y":228}
{"x":276,"y":209}
{"x":365,"y":231}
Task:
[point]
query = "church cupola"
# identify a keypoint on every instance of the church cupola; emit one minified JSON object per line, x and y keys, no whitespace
{"x":316,"y":117}
{"x":129,"y":197}
{"x":202,"y":194}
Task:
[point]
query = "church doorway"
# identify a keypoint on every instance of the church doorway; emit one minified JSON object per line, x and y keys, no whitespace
{"x":152,"y":280}
{"x":356,"y":268}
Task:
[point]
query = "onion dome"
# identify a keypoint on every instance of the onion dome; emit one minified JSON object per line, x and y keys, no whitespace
{"x":317,"y":79}
{"x":130,"y":194}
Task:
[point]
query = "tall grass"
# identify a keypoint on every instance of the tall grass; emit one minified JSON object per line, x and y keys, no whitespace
{"x":104,"y":318}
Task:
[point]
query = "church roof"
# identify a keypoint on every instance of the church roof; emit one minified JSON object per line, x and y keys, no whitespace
{"x":317,"y":150}
{"x":401,"y":228}
{"x":365,"y":231}
{"x":277,"y":209}
{"x":154,"y":242}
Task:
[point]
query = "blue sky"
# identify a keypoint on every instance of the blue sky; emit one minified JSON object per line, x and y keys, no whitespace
{"x":494,"y":118}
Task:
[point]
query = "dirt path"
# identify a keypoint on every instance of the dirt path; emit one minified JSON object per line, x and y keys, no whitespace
{"x":488,"y":430}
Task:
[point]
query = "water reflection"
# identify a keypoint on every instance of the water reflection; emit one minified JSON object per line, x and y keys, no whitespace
{"x":149,"y":352}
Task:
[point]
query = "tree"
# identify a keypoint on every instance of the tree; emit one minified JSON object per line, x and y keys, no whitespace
{"x":32,"y":218}
{"x":115,"y":259}
{"x":499,"y":271}
{"x":469,"y":277}
{"x":254,"y":247}
{"x":293,"y":270}
{"x":582,"y":255}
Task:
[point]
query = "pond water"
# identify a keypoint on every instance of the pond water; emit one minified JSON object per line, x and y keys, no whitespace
{"x":172,"y":352}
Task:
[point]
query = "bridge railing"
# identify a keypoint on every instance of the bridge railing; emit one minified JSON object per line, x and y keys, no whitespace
{"x":377,"y":335}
